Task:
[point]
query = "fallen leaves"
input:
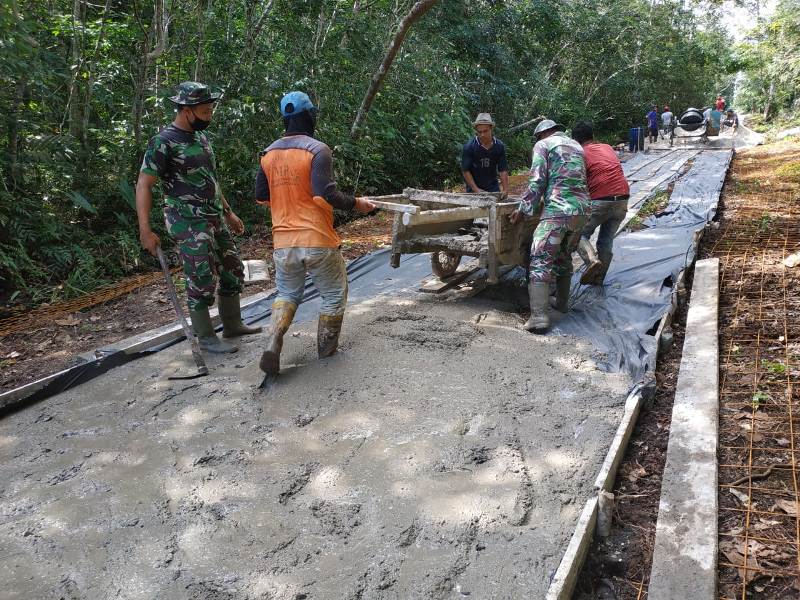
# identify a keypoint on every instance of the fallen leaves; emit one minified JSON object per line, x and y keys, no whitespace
{"x":741,"y":496}
{"x":787,"y":506}
{"x":68,"y":321}
{"x":734,"y":551}
{"x":636,"y":473}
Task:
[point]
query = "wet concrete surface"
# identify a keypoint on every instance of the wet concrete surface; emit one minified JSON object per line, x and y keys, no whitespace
{"x":443,"y":453}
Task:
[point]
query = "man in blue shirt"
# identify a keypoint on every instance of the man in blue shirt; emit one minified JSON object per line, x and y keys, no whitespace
{"x":713,"y":124}
{"x":652,"y":125}
{"x":484,"y":158}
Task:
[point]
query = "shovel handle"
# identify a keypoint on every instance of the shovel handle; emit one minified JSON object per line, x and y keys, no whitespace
{"x":187,"y":330}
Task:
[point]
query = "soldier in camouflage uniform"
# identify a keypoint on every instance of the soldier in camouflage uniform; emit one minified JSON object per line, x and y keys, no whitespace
{"x":558,"y":192}
{"x":197,"y":215}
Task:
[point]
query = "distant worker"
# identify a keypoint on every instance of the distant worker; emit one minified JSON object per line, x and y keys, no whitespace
{"x":609,"y":193}
{"x":197,"y":215}
{"x":556,"y":193}
{"x":713,"y":122}
{"x":652,"y":125}
{"x":666,"y":121}
{"x":483,"y":158}
{"x":719,"y":104}
{"x":295,"y":180}
{"x":731,"y":121}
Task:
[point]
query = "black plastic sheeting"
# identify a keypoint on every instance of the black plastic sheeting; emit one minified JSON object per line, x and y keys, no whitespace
{"x":637,"y":294}
{"x":369,"y":277}
{"x":616,"y":317}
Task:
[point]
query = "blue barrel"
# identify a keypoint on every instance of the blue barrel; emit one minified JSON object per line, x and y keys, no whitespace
{"x":633,"y":139}
{"x":636,"y":139}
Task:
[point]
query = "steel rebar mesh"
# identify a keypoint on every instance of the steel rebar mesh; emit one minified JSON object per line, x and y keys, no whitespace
{"x":759,"y":531}
{"x":30,"y":320}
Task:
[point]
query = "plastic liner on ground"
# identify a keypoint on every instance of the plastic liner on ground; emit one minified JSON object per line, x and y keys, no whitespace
{"x":618,"y":316}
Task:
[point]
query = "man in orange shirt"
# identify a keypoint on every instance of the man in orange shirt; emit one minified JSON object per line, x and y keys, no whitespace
{"x":609,"y":192}
{"x":296,"y":181}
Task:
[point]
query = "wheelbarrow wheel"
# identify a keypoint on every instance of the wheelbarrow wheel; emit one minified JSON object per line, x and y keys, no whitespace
{"x":444,"y":264}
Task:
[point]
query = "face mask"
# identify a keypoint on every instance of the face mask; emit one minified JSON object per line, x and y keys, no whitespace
{"x":199,"y":124}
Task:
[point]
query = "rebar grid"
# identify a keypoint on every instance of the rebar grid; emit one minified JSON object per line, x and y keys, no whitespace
{"x":31,"y":320}
{"x":759,"y":529}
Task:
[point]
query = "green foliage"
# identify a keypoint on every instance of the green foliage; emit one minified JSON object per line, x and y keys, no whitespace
{"x":759,"y":399}
{"x":652,"y":207}
{"x":765,"y":223}
{"x":82,"y":92}
{"x":771,"y":66}
{"x":776,"y":368}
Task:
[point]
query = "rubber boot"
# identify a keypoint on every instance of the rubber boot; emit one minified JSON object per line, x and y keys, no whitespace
{"x":593,"y":264}
{"x":601,"y":275}
{"x":201,"y":324}
{"x":282,"y":315}
{"x":230,"y":311}
{"x":561,"y":300}
{"x":538,"y":292}
{"x":328,"y":330}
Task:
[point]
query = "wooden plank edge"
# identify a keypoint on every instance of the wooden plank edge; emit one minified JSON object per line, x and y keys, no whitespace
{"x":608,"y":470}
{"x":137,"y":343}
{"x":446,"y":284}
{"x":566,"y":576}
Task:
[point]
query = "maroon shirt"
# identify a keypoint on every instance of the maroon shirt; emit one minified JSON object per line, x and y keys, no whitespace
{"x":604,"y":171}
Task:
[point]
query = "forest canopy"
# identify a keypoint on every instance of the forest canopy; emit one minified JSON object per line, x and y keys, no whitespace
{"x":84,"y":86}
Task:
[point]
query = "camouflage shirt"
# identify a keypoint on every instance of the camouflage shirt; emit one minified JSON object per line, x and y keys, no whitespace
{"x":557,"y":179}
{"x":185,"y":163}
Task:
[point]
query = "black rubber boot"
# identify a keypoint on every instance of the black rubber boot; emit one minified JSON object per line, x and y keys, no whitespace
{"x":328,"y":329}
{"x":230,"y":311}
{"x":282,"y":316}
{"x":201,"y":323}
{"x":561,"y":300}
{"x":538,"y":292}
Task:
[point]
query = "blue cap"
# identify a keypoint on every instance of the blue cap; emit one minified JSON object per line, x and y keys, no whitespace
{"x":294,"y":103}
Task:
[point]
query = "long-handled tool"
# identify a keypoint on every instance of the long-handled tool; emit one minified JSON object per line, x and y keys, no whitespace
{"x":202,"y":369}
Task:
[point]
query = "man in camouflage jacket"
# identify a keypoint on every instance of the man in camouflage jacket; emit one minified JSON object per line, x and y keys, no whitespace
{"x":558,"y":194}
{"x":197,"y":215}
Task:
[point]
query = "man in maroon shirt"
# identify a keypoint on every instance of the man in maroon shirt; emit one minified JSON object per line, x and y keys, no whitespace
{"x":609,"y":192}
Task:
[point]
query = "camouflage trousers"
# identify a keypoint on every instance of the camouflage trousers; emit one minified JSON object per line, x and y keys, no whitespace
{"x":554,"y":241}
{"x":207,"y":250}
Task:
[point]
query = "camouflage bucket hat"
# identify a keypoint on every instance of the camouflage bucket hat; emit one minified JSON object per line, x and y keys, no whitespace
{"x":546,"y":126}
{"x":192,"y":93}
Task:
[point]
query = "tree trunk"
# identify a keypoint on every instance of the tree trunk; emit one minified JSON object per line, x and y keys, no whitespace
{"x":253,"y":30}
{"x":522,"y":126}
{"x":416,"y":12}
{"x":159,"y":33}
{"x":73,"y":102}
{"x":83,"y":160}
{"x":770,"y":96}
{"x":12,"y":123}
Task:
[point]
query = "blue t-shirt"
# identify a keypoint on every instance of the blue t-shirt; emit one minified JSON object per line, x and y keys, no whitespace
{"x":484,"y":163}
{"x":652,"y":119}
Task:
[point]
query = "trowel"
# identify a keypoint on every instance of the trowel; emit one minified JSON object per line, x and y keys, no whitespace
{"x":202,"y":369}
